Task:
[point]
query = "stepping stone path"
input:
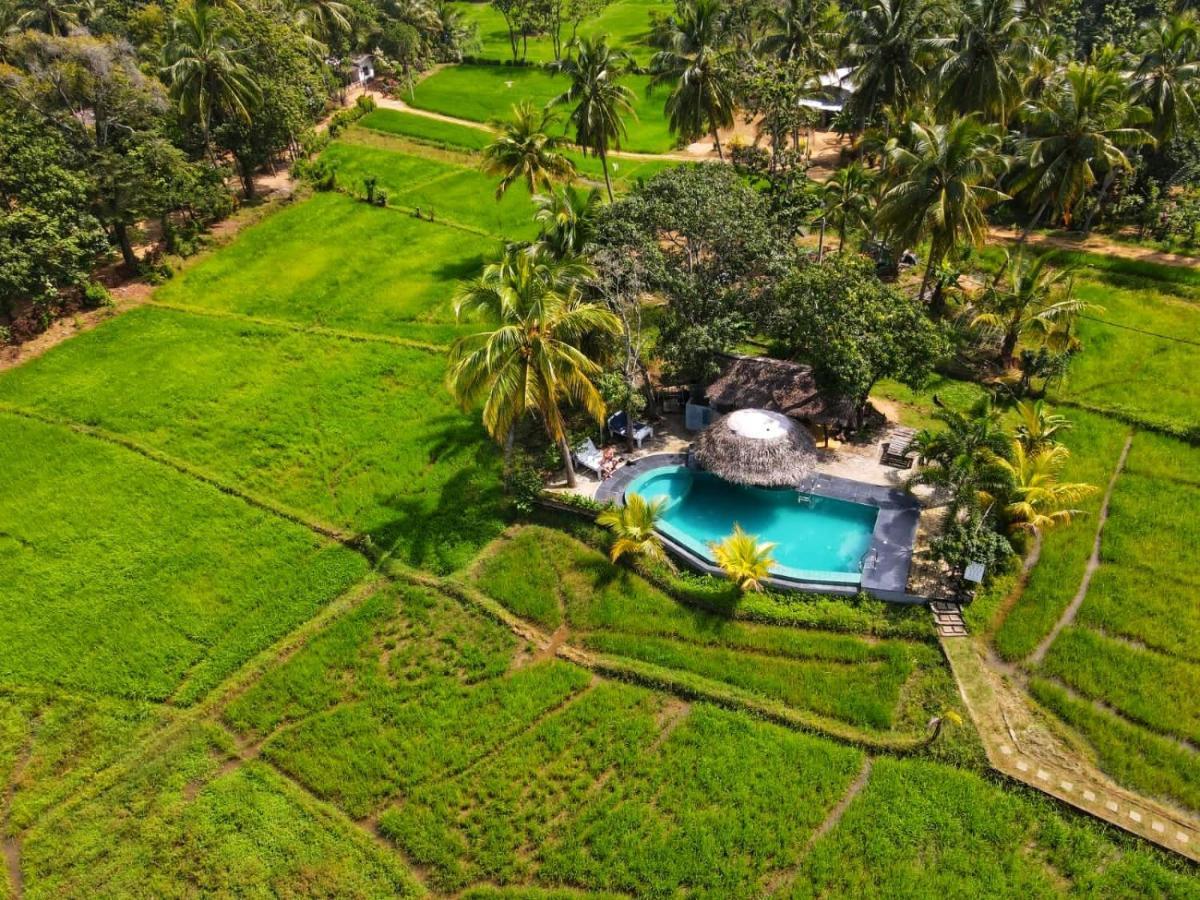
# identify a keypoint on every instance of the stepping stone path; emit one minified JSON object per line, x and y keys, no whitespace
{"x":947,"y":617}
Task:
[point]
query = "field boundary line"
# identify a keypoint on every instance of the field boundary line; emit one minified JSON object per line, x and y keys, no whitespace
{"x":1100,"y":706}
{"x":357,"y":337}
{"x":357,"y":542}
{"x":1093,"y":563}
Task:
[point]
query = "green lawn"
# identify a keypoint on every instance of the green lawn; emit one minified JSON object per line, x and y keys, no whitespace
{"x":148,"y":583}
{"x":625,"y":22}
{"x":484,"y":93}
{"x":334,"y":262}
{"x":358,"y":434}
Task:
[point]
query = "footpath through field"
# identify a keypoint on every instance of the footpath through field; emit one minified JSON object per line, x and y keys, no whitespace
{"x":1094,"y":243}
{"x":1023,"y":747}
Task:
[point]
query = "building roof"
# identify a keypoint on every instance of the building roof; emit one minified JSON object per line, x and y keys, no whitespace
{"x":756,"y":447}
{"x":778,"y":385}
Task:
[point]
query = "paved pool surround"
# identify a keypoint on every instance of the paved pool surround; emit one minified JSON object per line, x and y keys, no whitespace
{"x":889,"y":558}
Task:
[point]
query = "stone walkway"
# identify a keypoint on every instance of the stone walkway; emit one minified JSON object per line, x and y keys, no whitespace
{"x":948,"y":619}
{"x":1022,"y":746}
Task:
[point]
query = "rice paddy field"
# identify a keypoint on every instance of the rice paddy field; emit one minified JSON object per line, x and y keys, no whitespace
{"x":268,"y":628}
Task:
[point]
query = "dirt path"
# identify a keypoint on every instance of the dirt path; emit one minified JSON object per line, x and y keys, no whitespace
{"x":1013,"y":596}
{"x":1097,"y":244}
{"x":1021,"y":744}
{"x":1093,"y":564}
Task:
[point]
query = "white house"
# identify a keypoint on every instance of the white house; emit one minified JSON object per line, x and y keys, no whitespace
{"x":837,"y":87}
{"x":362,"y":69}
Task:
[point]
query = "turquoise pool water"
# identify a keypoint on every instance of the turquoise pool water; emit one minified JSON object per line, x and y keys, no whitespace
{"x":816,"y":538}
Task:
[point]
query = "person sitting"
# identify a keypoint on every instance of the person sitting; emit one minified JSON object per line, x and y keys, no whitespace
{"x":608,"y":462}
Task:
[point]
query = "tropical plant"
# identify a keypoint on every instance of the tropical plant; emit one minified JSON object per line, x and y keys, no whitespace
{"x":528,"y":149}
{"x":1033,"y":298}
{"x":601,"y":102}
{"x":55,"y":17}
{"x":203,"y":71}
{"x":802,"y":31}
{"x":938,"y":722}
{"x":893,"y":47}
{"x":848,"y":199}
{"x":745,"y":560}
{"x":1034,"y":498}
{"x":941,"y":187}
{"x":633,"y":526}
{"x":1078,"y":129}
{"x":960,"y":456}
{"x":698,"y":65}
{"x":321,"y":20}
{"x":1039,"y":428}
{"x":980,"y":74}
{"x":1166,"y":79}
{"x":532,"y":359}
{"x":568,"y":220}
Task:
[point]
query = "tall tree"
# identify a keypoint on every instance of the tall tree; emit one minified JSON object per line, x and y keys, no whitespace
{"x":532,"y":360}
{"x":698,"y":65}
{"x":808,"y":32}
{"x":568,"y":220}
{"x":980,"y":74}
{"x":55,"y":17}
{"x":601,"y":102}
{"x":528,"y":149}
{"x":848,"y":199}
{"x":941,"y":187}
{"x":321,"y":20}
{"x":893,"y":47}
{"x":203,"y":70}
{"x":1078,"y":131}
{"x":960,"y":456}
{"x":1167,"y":78}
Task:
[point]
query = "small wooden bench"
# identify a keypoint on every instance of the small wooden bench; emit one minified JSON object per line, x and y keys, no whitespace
{"x":897,"y":449}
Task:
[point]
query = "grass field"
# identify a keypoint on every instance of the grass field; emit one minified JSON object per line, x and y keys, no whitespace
{"x":484,"y":93}
{"x":625,"y":22}
{"x":358,"y":434}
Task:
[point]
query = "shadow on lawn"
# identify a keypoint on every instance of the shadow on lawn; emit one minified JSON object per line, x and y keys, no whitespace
{"x":442,"y":529}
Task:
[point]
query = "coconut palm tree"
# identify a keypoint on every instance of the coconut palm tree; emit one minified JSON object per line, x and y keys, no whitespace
{"x":980,"y":74}
{"x":848,"y":199}
{"x":55,"y":17}
{"x":802,"y":31}
{"x":1079,"y":129}
{"x":1030,"y":297}
{"x":1039,"y":428}
{"x":893,"y":47}
{"x":321,"y":20}
{"x":531,"y":360}
{"x":941,"y":187}
{"x":744,"y":559}
{"x":959,"y":457}
{"x":202,"y":69}
{"x":1035,"y":500}
{"x":633,"y":527}
{"x":568,"y":220}
{"x":601,"y":102}
{"x":528,"y":149}
{"x":698,"y":65}
{"x":1168,"y":74}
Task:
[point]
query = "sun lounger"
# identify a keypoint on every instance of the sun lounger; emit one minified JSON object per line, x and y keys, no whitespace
{"x":897,"y":450}
{"x":588,"y":456}
{"x":617,"y":428}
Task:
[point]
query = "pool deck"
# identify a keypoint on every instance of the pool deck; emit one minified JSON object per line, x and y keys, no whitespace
{"x":889,"y":560}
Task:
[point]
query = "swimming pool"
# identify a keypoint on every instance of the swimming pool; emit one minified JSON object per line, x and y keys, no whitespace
{"x":816,"y":538}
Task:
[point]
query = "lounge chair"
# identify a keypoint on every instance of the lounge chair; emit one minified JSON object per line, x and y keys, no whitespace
{"x":617,"y":428}
{"x":588,"y":456}
{"x":897,"y":450}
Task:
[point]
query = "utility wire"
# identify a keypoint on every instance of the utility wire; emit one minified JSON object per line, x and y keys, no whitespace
{"x":1165,"y":337}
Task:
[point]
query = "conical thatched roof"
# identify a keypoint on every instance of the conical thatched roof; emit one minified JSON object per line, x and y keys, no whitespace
{"x":756,"y":447}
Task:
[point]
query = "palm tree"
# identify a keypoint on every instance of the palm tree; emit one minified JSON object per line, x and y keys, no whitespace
{"x":532,"y":359}
{"x":803,"y":31}
{"x":1166,"y":78}
{"x":55,"y":17}
{"x":942,"y":186}
{"x":1035,"y":498}
{"x":892,"y":46}
{"x":960,"y":456}
{"x":698,"y":65}
{"x":568,"y":220}
{"x":1038,"y":428}
{"x":1030,"y":297}
{"x":848,"y":198}
{"x":202,"y":70}
{"x":1078,"y":129}
{"x":321,"y":20}
{"x":745,"y":559}
{"x":528,"y":149}
{"x":601,"y":101}
{"x":633,"y":526}
{"x":980,"y":73}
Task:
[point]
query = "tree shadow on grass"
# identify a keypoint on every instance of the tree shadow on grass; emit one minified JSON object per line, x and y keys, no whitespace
{"x":442,"y":528}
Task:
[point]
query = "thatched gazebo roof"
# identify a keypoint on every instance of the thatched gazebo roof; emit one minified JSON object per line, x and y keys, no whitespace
{"x":756,"y":447}
{"x":779,"y":385}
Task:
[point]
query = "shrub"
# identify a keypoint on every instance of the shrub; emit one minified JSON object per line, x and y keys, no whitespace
{"x":970,"y":540}
{"x":523,"y":483}
{"x":96,"y":295}
{"x":370,"y":185}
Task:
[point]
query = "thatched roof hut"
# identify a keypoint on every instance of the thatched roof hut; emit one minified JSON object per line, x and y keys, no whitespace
{"x":760,"y":382}
{"x":756,"y":447}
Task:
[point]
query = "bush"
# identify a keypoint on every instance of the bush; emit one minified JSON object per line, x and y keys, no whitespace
{"x":317,"y":172}
{"x":96,"y":295}
{"x":523,"y":483}
{"x":971,"y":540}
